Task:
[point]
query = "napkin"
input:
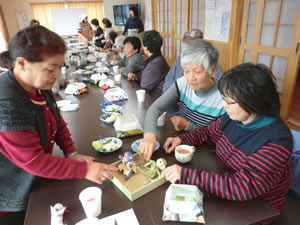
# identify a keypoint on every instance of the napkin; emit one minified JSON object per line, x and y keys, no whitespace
{"x":74,"y":87}
{"x":70,"y":107}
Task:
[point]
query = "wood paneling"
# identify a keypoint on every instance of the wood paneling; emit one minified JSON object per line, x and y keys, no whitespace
{"x":228,"y":51}
{"x":223,"y":49}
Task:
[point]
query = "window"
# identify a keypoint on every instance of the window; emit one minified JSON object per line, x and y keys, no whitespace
{"x":3,"y":32}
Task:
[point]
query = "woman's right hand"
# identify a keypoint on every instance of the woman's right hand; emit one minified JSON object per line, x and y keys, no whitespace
{"x":147,"y":146}
{"x":171,"y":143}
{"x":99,"y":172}
{"x":121,"y":69}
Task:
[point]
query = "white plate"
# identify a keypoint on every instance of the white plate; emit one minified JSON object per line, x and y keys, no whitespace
{"x":62,"y":103}
{"x":117,"y":141}
{"x":135,"y":145}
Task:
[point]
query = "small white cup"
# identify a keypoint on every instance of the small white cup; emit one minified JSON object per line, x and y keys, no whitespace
{"x":117,"y":78}
{"x":90,"y":199}
{"x":63,"y":70}
{"x":161,"y":120}
{"x":116,"y":69}
{"x":140,"y":95}
{"x":184,"y":153}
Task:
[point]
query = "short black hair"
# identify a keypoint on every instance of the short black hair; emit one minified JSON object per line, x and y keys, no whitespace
{"x":153,"y":41}
{"x":135,"y":10}
{"x":106,"y":22}
{"x":34,"y":22}
{"x":95,"y":22}
{"x":112,"y":36}
{"x":253,"y":87}
{"x":135,"y":41}
{"x":34,"y":43}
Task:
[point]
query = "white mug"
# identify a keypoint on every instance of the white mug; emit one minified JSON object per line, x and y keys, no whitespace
{"x":184,"y":153}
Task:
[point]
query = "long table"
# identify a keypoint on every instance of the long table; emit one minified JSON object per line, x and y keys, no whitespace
{"x":86,"y":127}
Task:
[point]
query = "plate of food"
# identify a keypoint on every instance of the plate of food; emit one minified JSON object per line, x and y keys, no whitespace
{"x":135,"y":145}
{"x":109,"y":117}
{"x":89,"y":67}
{"x":110,"y":107}
{"x":107,"y":145}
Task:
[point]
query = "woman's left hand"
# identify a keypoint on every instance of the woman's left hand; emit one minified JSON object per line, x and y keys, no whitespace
{"x":131,"y":76}
{"x":172,"y":173}
{"x":180,"y":123}
{"x":121,"y":69}
{"x":80,"y":157}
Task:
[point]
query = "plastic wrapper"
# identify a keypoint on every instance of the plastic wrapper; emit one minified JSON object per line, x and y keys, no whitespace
{"x":115,"y":94}
{"x":127,"y":125}
{"x":183,"y":203}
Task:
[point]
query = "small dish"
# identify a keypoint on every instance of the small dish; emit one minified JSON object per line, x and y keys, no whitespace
{"x":136,"y":143}
{"x":107,"y":145}
{"x":109,"y":117}
{"x":110,"y":107}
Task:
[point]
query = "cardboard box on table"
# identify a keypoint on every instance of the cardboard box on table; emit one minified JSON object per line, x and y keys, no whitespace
{"x":138,"y":184}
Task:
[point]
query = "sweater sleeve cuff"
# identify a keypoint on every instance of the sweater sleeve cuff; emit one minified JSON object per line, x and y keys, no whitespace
{"x":80,"y":169}
{"x":184,"y":139}
{"x":189,"y":176}
{"x":69,"y":150}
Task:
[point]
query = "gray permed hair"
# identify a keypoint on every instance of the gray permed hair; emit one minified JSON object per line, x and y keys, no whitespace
{"x":119,"y":42}
{"x":200,"y":52}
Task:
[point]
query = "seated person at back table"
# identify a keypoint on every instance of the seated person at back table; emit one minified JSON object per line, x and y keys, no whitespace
{"x":106,"y":29}
{"x":155,"y":66}
{"x":99,"y":34}
{"x":133,"y":60}
{"x":196,"y":93}
{"x":111,"y":41}
{"x":176,"y":70}
{"x":31,"y":123}
{"x":251,"y":139}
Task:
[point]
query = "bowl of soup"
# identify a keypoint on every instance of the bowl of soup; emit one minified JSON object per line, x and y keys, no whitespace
{"x":184,"y":153}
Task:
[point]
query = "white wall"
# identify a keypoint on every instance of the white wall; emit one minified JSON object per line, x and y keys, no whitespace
{"x":9,"y":8}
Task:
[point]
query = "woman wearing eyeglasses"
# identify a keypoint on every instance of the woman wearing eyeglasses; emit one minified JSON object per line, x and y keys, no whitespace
{"x":251,"y":139}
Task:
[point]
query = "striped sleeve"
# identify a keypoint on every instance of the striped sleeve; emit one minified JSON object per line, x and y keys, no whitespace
{"x":206,"y":134}
{"x":267,"y":170}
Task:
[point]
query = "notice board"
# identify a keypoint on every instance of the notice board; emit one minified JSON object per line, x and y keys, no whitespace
{"x":217,"y":20}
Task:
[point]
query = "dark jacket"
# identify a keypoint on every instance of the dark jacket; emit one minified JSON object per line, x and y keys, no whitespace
{"x":98,"y":41}
{"x":18,"y":113}
{"x":153,"y":76}
{"x":134,"y":23}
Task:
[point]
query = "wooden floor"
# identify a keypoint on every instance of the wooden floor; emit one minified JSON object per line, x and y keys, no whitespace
{"x":294,"y":117}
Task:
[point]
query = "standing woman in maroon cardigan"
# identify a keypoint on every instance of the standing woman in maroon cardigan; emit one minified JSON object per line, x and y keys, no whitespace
{"x":30,"y":123}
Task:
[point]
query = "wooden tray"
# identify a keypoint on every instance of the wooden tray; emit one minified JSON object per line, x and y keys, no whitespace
{"x":138,"y":184}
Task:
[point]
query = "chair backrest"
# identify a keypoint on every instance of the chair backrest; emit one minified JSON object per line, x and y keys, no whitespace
{"x":295,"y":162}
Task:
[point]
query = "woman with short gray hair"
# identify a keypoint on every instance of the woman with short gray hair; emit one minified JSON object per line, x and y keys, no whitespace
{"x":200,"y":52}
{"x":196,"y":94}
